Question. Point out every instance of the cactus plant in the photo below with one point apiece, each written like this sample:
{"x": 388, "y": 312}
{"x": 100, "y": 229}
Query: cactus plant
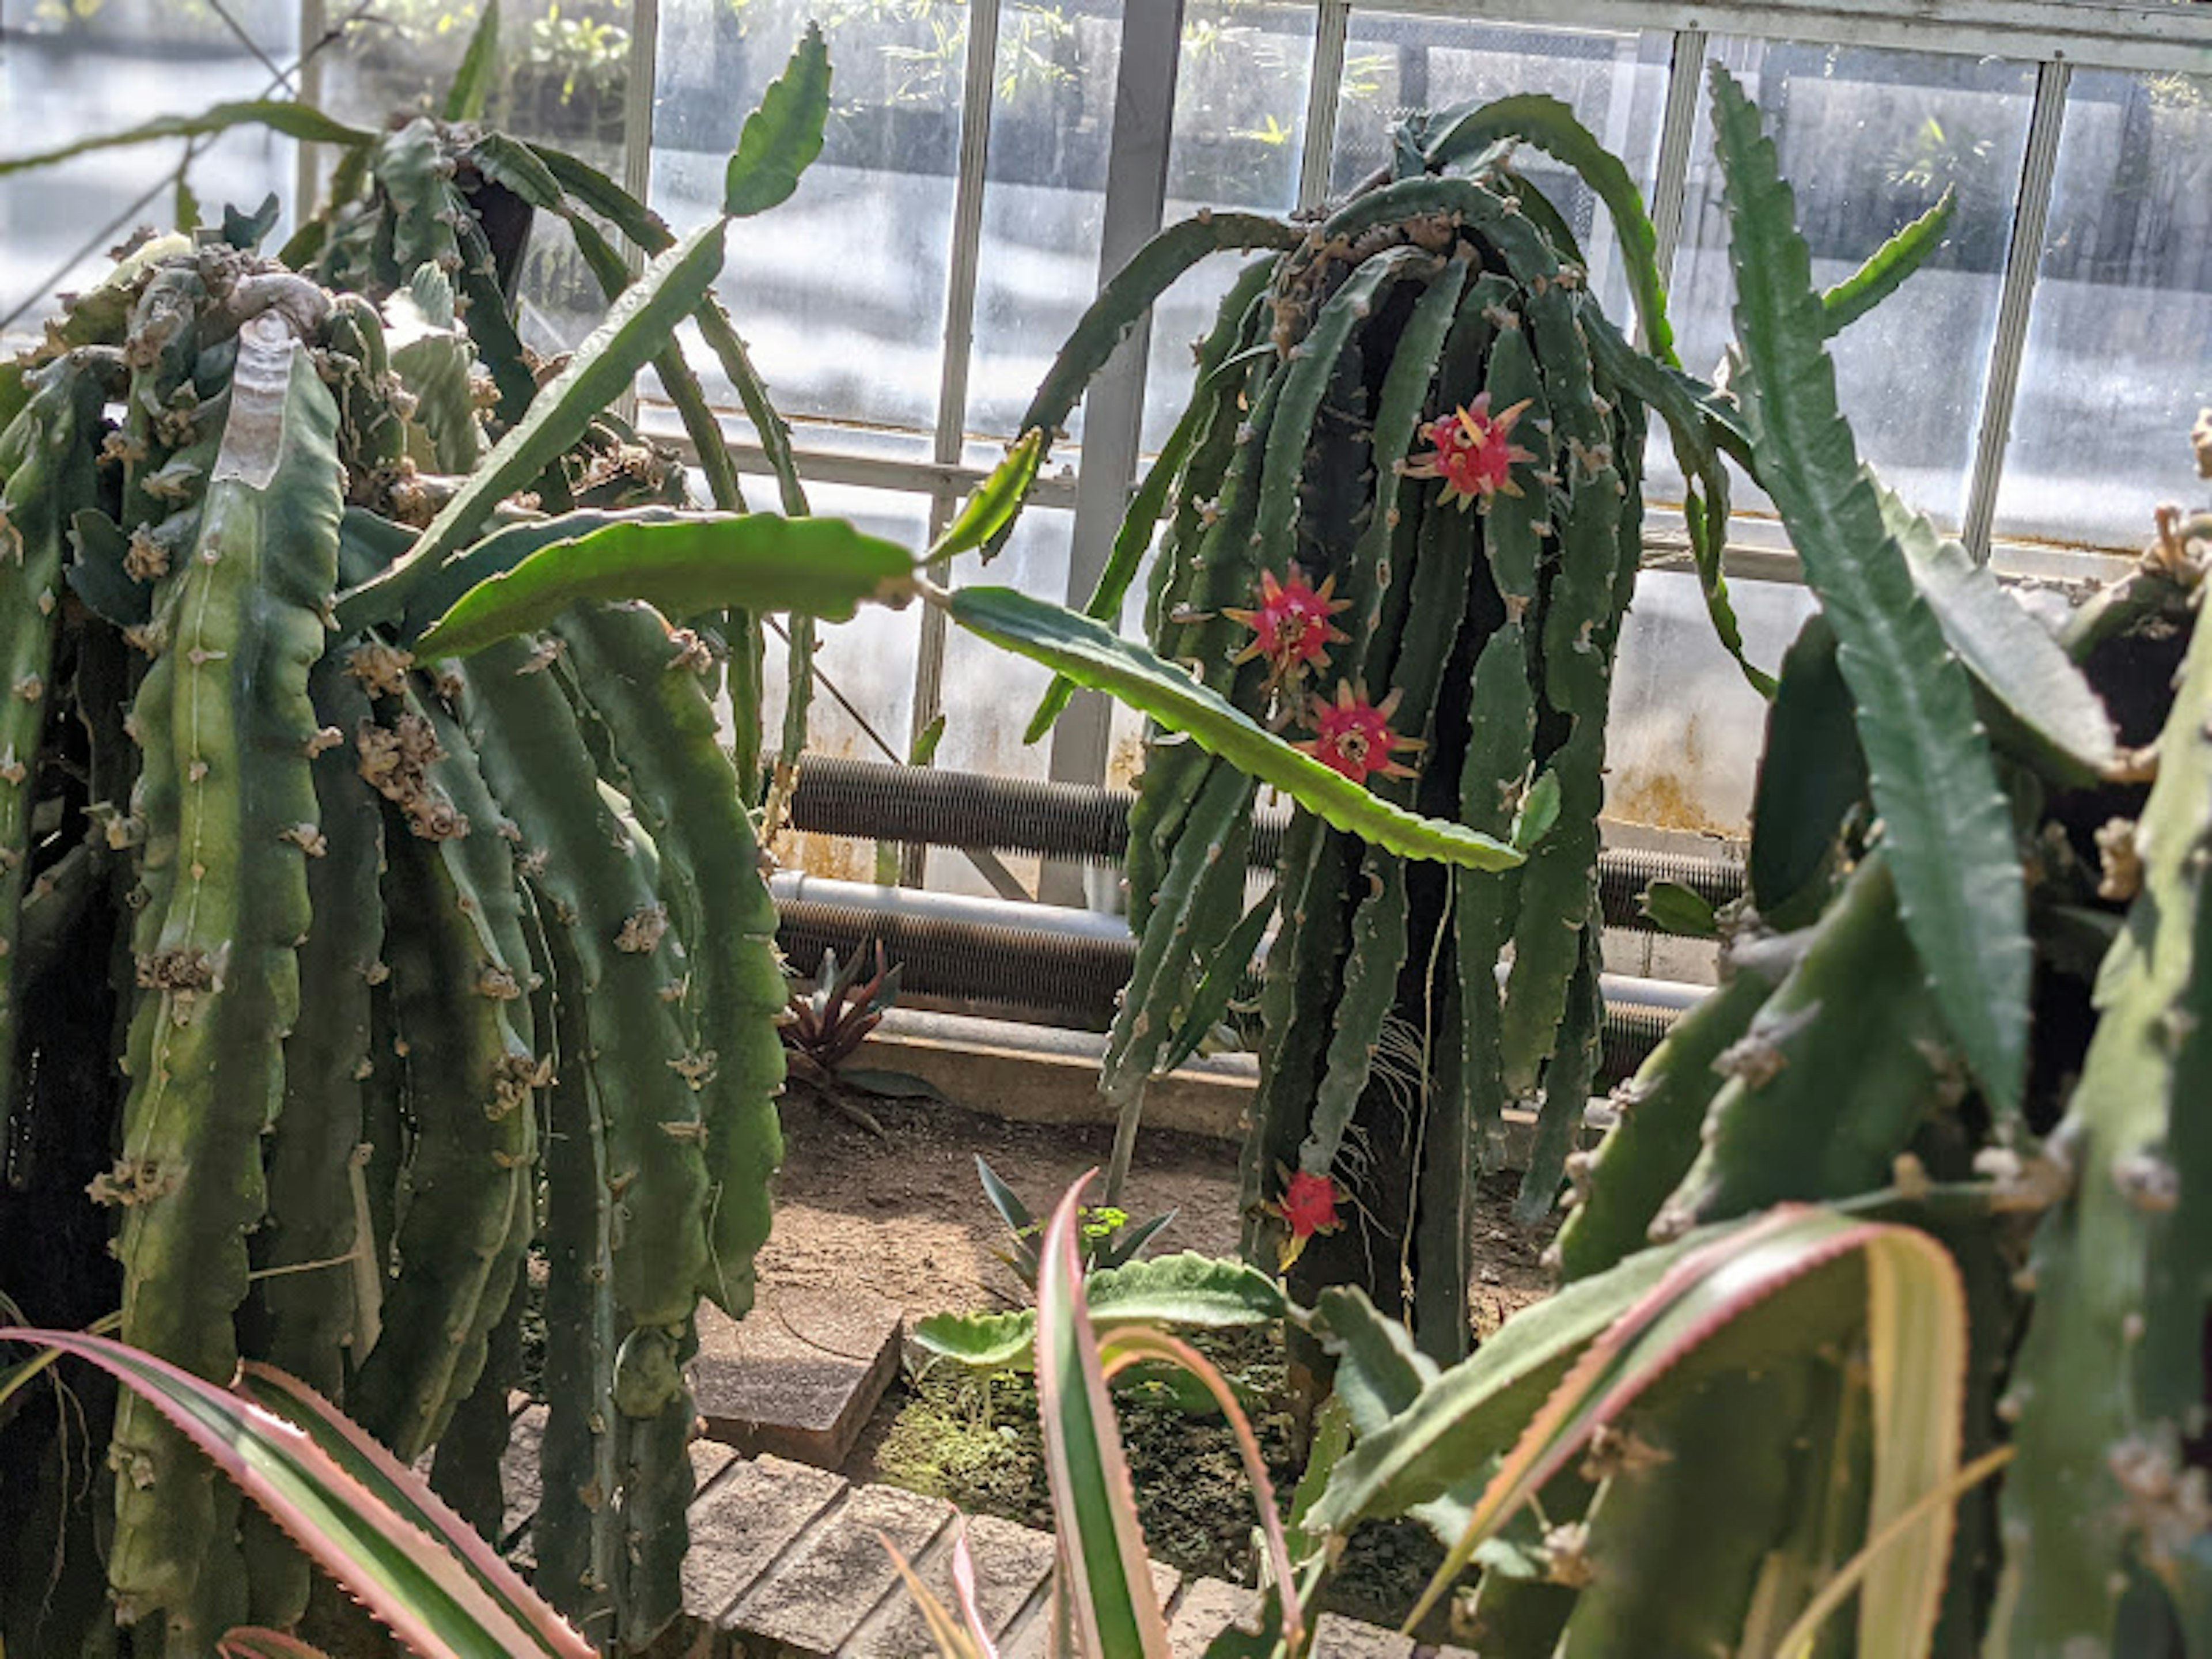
{"x": 365, "y": 922}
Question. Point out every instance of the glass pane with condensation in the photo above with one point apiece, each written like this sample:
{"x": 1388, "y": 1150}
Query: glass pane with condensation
{"x": 840, "y": 291}
{"x": 863, "y": 703}
{"x": 1044, "y": 201}
{"x": 1240, "y": 118}
{"x": 1869, "y": 140}
{"x": 989, "y": 695}
{"x": 1397, "y": 66}
{"x": 1685, "y": 728}
{"x": 2119, "y": 339}
{"x": 69, "y": 72}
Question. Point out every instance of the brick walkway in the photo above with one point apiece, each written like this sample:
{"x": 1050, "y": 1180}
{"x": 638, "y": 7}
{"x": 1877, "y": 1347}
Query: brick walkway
{"x": 790, "y": 1560}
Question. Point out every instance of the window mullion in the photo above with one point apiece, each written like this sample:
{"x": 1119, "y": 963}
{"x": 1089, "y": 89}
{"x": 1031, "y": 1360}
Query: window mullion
{"x": 1114, "y": 410}
{"x": 1319, "y": 151}
{"x": 2023, "y": 262}
{"x": 306, "y": 178}
{"x": 979, "y": 75}
{"x": 1677, "y": 131}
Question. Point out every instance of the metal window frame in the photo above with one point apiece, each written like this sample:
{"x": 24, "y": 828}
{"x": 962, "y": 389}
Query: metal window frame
{"x": 2058, "y": 36}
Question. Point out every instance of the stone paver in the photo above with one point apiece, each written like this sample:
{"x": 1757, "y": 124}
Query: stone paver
{"x": 744, "y": 1522}
{"x": 798, "y": 1377}
{"x": 1032, "y": 1637}
{"x": 1011, "y": 1566}
{"x": 1207, "y": 1607}
{"x": 1336, "y": 1637}
{"x": 518, "y": 1475}
{"x": 815, "y": 1595}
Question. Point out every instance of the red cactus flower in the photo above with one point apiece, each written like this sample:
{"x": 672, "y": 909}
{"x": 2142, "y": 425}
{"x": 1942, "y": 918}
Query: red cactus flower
{"x": 1353, "y": 736}
{"x": 1472, "y": 452}
{"x": 1292, "y": 628}
{"x": 1307, "y": 1207}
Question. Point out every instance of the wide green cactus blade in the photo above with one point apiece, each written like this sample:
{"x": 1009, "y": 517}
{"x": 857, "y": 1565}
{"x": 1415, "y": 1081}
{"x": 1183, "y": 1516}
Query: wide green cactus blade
{"x": 1550, "y": 126}
{"x": 1888, "y": 265}
{"x": 1811, "y": 774}
{"x": 1945, "y": 819}
{"x": 634, "y": 331}
{"x": 683, "y": 565}
{"x": 1087, "y": 654}
{"x": 784, "y": 134}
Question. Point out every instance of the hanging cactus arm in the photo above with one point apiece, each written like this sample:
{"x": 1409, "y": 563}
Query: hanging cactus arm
{"x": 1946, "y": 821}
{"x": 479, "y": 71}
{"x": 1550, "y": 126}
{"x": 990, "y": 511}
{"x": 634, "y": 331}
{"x": 292, "y": 120}
{"x": 1084, "y": 651}
{"x": 782, "y": 137}
{"x": 684, "y": 565}
{"x": 230, "y": 807}
{"x": 1886, "y": 268}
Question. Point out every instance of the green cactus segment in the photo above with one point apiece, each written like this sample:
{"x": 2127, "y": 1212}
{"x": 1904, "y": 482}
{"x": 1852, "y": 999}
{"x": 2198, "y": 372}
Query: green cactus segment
{"x": 1554, "y": 907}
{"x": 1369, "y": 989}
{"x": 460, "y": 972}
{"x": 1223, "y": 975}
{"x": 1654, "y": 1137}
{"x": 312, "y": 1317}
{"x": 1833, "y": 1076}
{"x": 1089, "y": 656}
{"x": 1567, "y": 1081}
{"x": 635, "y": 331}
{"x": 464, "y": 1470}
{"x": 655, "y": 1421}
{"x": 782, "y": 137}
{"x": 1661, "y": 1577}
{"x": 1550, "y": 126}
{"x": 226, "y": 732}
{"x": 1959, "y": 878}
{"x": 433, "y": 356}
{"x": 1886, "y": 268}
{"x": 1811, "y": 775}
{"x": 2111, "y": 1379}
{"x": 585, "y": 868}
{"x": 684, "y": 565}
{"x": 2043, "y": 703}
{"x": 575, "y": 1535}
{"x": 293, "y": 120}
{"x": 689, "y": 800}
{"x": 1126, "y": 299}
{"x": 46, "y": 475}
{"x": 1220, "y": 374}
{"x": 1491, "y": 780}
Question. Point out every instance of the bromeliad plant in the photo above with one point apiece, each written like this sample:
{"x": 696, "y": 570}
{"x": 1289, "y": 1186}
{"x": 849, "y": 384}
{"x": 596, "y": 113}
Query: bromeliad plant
{"x": 825, "y": 1026}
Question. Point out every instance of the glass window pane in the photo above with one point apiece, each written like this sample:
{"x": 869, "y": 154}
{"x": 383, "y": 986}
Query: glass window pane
{"x": 1869, "y": 140}
{"x": 1239, "y": 130}
{"x": 2119, "y": 340}
{"x": 1682, "y": 745}
{"x": 840, "y": 291}
{"x": 1616, "y": 83}
{"x": 1044, "y": 202}
{"x": 70, "y": 72}
{"x": 864, "y": 671}
{"x": 564, "y": 68}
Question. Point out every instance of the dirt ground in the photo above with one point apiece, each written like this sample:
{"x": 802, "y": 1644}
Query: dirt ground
{"x": 905, "y": 1219}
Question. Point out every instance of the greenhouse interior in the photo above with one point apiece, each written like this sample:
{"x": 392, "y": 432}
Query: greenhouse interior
{"x": 1142, "y": 829}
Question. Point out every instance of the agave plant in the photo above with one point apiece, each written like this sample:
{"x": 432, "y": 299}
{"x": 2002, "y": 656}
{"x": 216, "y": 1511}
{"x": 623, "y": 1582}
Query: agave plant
{"x": 1109, "y": 1239}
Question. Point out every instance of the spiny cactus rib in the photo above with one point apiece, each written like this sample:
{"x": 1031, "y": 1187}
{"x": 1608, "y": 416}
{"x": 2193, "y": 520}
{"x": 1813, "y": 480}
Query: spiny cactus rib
{"x": 1655, "y": 1136}
{"x": 1370, "y": 987}
{"x": 1834, "y": 1075}
{"x": 465, "y": 1469}
{"x": 587, "y": 870}
{"x": 432, "y": 357}
{"x": 655, "y": 1425}
{"x": 689, "y": 800}
{"x": 46, "y": 475}
{"x": 1492, "y": 779}
{"x": 311, "y": 1317}
{"x": 2111, "y": 1379}
{"x": 1567, "y": 1078}
{"x": 633, "y": 333}
{"x": 576, "y": 1536}
{"x": 460, "y": 972}
{"x": 226, "y": 735}
{"x": 1959, "y": 878}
